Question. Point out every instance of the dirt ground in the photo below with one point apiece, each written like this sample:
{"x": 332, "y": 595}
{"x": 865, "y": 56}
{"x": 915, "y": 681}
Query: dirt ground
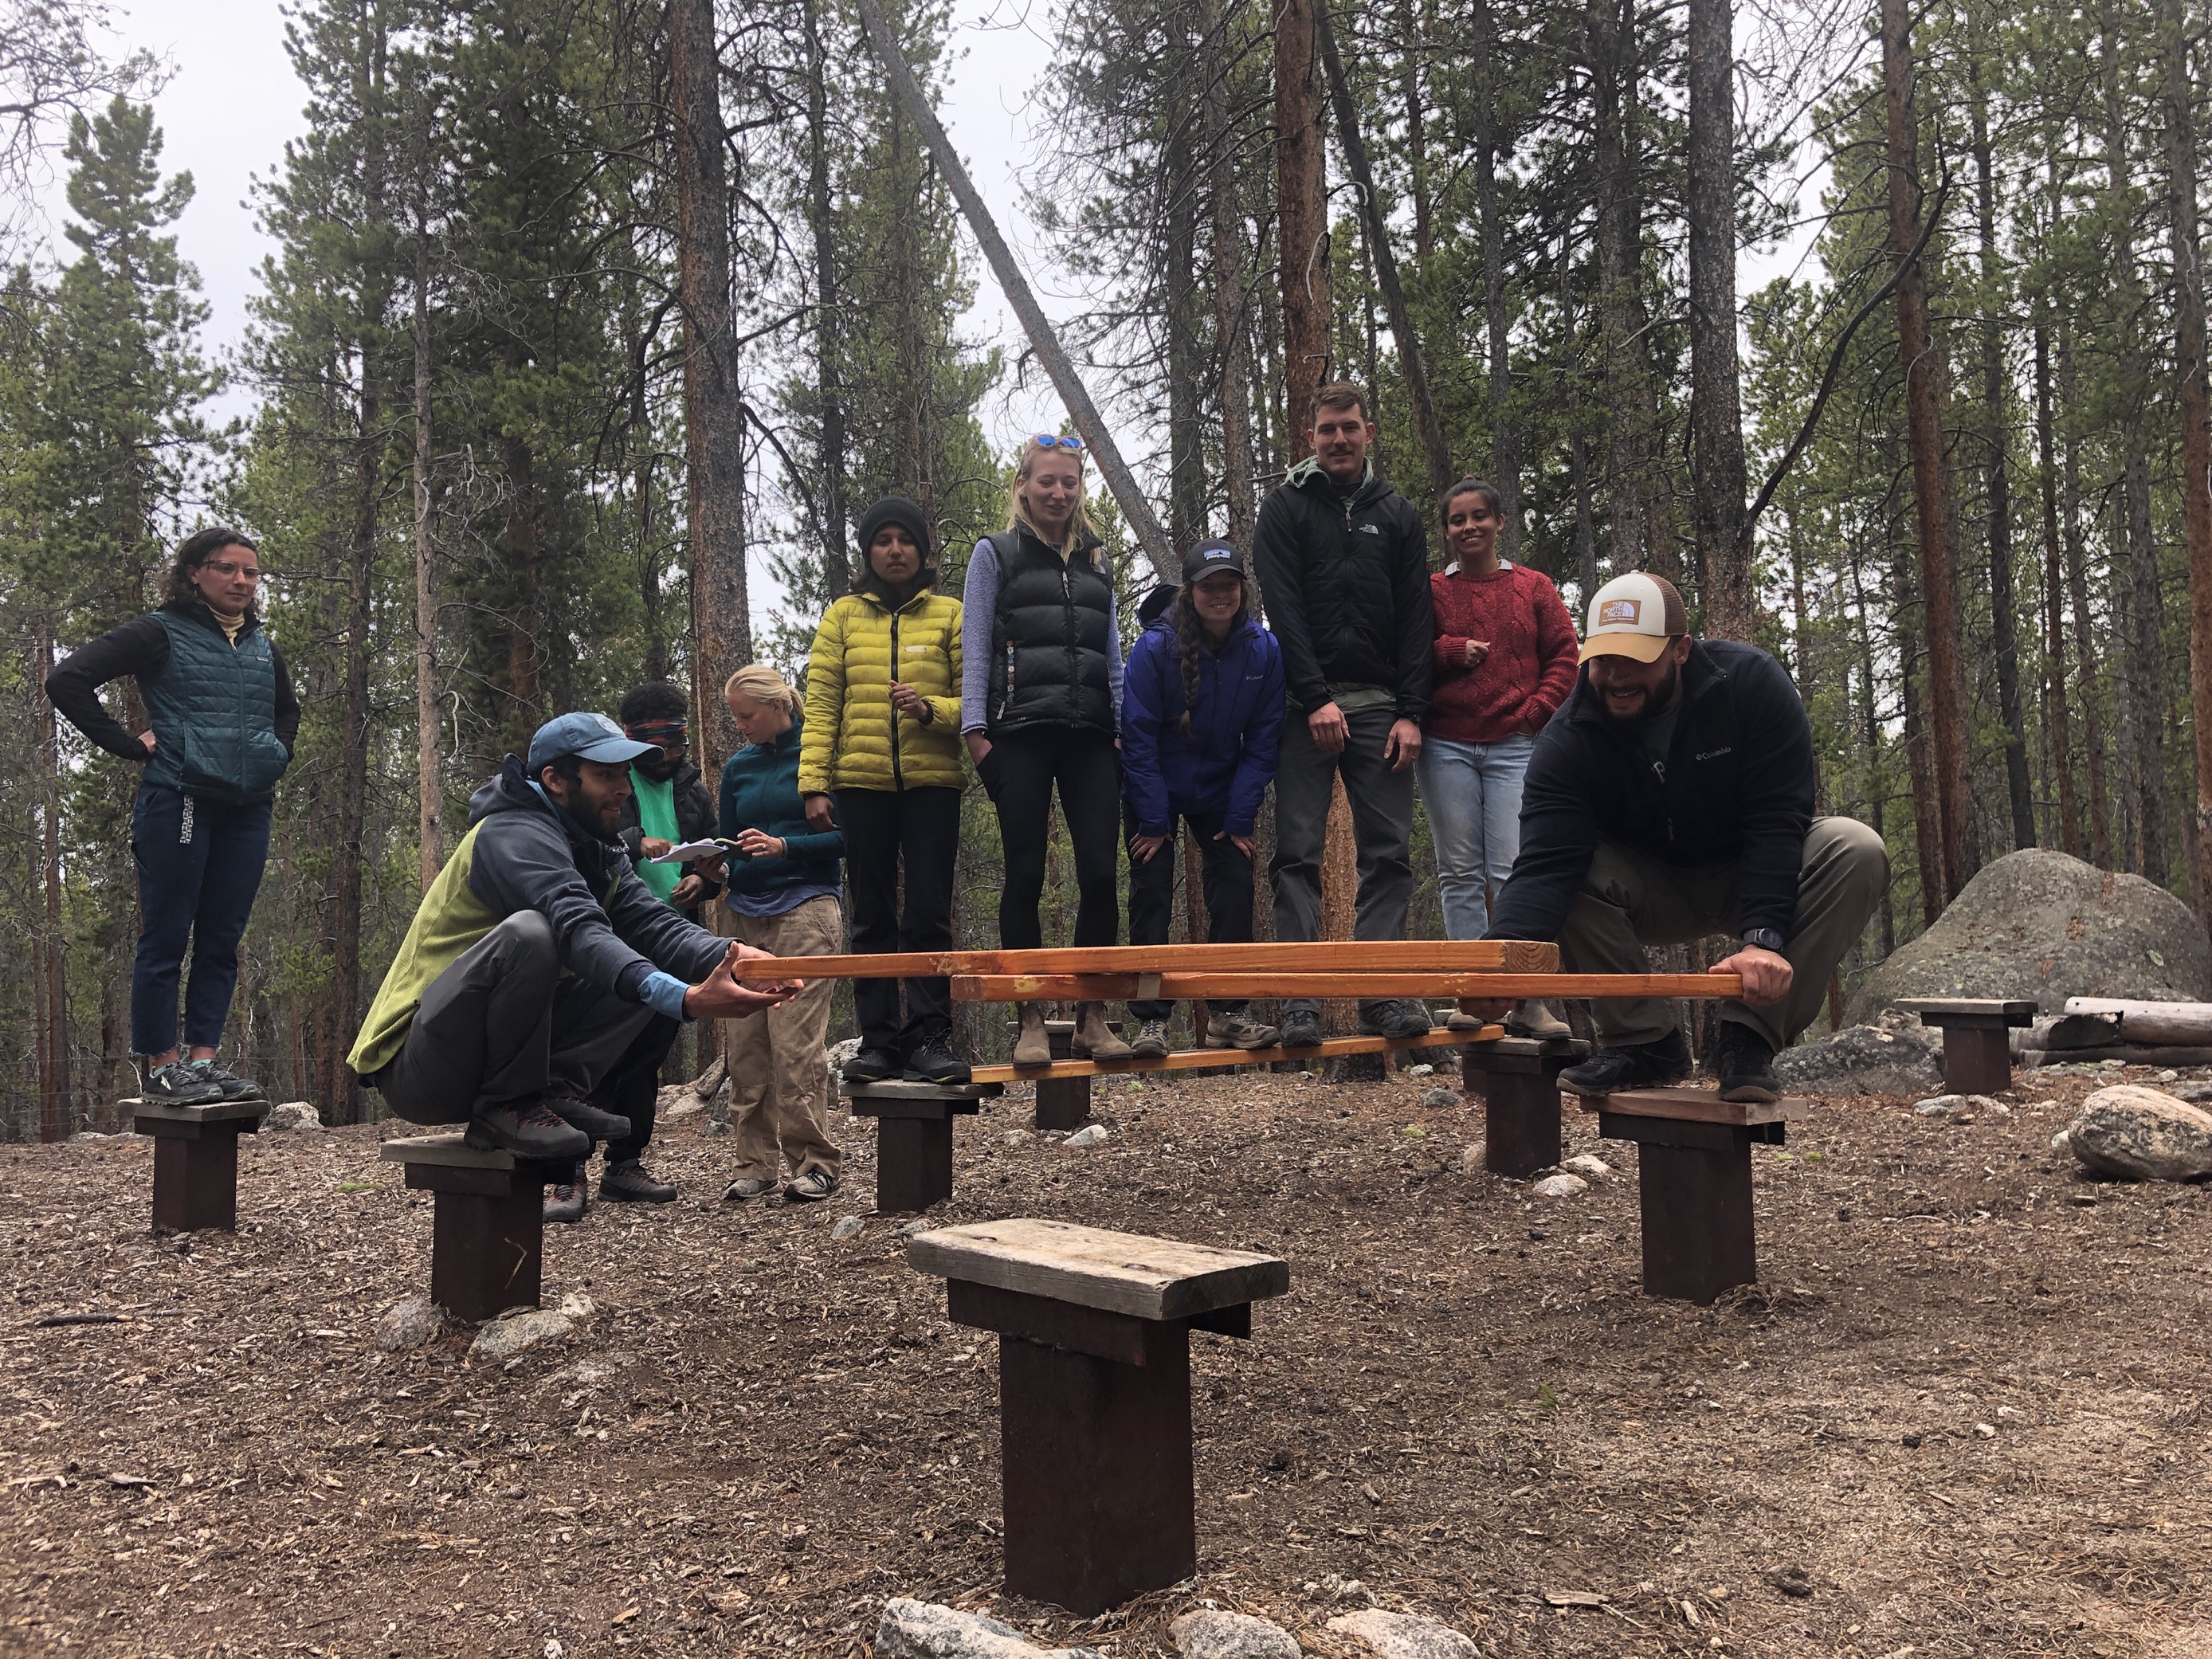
{"x": 1967, "y": 1402}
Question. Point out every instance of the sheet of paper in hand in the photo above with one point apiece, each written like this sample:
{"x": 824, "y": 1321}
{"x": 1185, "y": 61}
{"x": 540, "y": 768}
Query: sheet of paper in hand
{"x": 690, "y": 850}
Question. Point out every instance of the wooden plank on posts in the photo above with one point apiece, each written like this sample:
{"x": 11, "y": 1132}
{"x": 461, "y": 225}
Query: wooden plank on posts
{"x": 1477, "y": 986}
{"x": 1458, "y": 956}
{"x": 1121, "y": 1273}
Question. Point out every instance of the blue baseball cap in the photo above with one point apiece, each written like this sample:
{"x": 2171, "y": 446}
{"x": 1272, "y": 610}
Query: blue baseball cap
{"x": 594, "y": 736}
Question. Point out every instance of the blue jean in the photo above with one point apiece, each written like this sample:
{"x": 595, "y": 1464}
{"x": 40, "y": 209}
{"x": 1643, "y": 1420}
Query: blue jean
{"x": 199, "y": 866}
{"x": 1472, "y": 791}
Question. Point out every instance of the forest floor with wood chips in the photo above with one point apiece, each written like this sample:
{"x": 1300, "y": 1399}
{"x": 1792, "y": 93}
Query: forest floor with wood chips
{"x": 1964, "y": 1413}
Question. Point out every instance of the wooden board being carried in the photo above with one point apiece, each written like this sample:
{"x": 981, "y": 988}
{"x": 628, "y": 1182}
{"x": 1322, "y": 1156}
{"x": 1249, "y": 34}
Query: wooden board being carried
{"x": 1433, "y": 956}
{"x": 1472, "y": 986}
{"x": 1198, "y": 1059}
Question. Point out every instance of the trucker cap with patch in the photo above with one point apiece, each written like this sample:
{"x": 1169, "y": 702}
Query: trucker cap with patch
{"x": 1633, "y": 616}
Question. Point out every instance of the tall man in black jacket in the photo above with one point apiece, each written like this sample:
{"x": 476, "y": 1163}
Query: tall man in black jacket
{"x": 1670, "y": 799}
{"x": 1343, "y": 561}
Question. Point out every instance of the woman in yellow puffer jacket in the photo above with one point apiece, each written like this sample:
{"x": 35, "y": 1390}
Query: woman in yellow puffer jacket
{"x": 880, "y": 758}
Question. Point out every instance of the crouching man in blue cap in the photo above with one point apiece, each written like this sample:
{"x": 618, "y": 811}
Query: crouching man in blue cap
{"x": 540, "y": 976}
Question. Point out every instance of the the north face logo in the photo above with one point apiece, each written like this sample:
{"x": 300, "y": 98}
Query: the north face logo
{"x": 1624, "y": 612}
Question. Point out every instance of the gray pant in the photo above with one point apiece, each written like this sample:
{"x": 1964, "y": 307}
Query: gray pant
{"x": 1630, "y": 900}
{"x": 1382, "y": 826}
{"x": 502, "y": 1025}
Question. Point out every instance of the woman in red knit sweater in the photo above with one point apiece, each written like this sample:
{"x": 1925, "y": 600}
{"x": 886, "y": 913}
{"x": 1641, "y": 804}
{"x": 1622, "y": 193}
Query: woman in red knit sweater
{"x": 1505, "y": 656}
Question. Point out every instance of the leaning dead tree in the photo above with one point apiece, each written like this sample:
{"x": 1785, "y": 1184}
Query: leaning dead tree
{"x": 1143, "y": 523}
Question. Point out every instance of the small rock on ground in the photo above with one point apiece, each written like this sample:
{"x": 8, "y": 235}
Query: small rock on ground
{"x": 2140, "y": 1134}
{"x": 1439, "y": 1098}
{"x": 1089, "y": 1135}
{"x": 1423, "y": 1070}
{"x": 293, "y": 1114}
{"x": 2197, "y": 1094}
{"x": 923, "y": 1630}
{"x": 409, "y": 1324}
{"x": 517, "y": 1332}
{"x": 1471, "y": 1157}
{"x": 1589, "y": 1164}
{"x": 1403, "y": 1635}
{"x": 1209, "y": 1633}
{"x": 1560, "y": 1186}
{"x": 845, "y": 1228}
{"x": 1957, "y": 1106}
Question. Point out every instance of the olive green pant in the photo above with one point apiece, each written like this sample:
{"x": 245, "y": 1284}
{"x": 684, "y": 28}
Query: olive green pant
{"x": 1630, "y": 900}
{"x": 779, "y": 1066}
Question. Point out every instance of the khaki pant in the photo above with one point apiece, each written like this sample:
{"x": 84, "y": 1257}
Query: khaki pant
{"x": 779, "y": 1066}
{"x": 1630, "y": 900}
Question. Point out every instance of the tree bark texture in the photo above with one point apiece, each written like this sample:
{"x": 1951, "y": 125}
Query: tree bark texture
{"x": 1954, "y": 860}
{"x": 49, "y": 982}
{"x": 2057, "y": 722}
{"x": 430, "y": 782}
{"x": 1505, "y": 446}
{"x": 2093, "y": 745}
{"x": 829, "y": 351}
{"x": 1231, "y": 327}
{"x": 1302, "y": 215}
{"x": 1716, "y": 462}
{"x": 1186, "y": 374}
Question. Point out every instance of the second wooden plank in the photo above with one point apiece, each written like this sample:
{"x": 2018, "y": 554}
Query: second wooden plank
{"x": 1113, "y": 988}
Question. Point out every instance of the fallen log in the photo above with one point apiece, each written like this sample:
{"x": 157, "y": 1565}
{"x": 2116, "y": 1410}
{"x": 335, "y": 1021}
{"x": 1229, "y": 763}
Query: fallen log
{"x": 2158, "y": 1023}
{"x": 2071, "y": 1031}
{"x": 2131, "y": 1054}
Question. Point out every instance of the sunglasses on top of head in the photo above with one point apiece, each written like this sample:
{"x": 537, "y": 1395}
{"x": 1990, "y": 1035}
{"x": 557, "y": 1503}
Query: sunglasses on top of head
{"x": 1053, "y": 441}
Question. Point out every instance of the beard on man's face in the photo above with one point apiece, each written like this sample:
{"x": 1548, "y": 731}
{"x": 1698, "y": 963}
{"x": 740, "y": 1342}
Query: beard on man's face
{"x": 1656, "y": 701}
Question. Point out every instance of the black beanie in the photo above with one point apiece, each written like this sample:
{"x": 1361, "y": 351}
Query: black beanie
{"x": 898, "y": 510}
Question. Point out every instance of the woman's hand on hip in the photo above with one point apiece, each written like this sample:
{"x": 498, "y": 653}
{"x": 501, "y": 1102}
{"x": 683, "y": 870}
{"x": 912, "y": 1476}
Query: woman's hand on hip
{"x": 147, "y": 738}
{"x": 978, "y": 747}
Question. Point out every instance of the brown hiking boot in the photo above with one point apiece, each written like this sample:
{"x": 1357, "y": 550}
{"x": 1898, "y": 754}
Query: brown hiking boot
{"x": 1092, "y": 1039}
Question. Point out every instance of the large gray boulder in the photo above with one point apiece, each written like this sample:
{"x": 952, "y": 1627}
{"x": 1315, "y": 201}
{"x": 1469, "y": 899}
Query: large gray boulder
{"x": 2040, "y": 924}
{"x": 2140, "y": 1134}
{"x": 1894, "y": 1055}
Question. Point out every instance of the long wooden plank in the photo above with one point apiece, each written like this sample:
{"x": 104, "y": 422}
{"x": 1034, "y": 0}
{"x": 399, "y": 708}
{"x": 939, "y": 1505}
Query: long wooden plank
{"x": 1200, "y": 1060}
{"x": 1122, "y": 1273}
{"x": 1500, "y": 987}
{"x": 1350, "y": 955}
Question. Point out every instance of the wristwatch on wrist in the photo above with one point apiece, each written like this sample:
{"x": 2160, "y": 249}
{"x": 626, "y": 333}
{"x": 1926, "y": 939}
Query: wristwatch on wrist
{"x": 1764, "y": 939}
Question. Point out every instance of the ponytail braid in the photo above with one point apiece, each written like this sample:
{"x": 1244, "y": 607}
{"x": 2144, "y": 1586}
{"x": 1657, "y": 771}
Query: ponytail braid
{"x": 1191, "y": 638}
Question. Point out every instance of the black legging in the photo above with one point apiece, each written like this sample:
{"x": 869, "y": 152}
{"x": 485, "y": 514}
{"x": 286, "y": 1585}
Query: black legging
{"x": 1019, "y": 773}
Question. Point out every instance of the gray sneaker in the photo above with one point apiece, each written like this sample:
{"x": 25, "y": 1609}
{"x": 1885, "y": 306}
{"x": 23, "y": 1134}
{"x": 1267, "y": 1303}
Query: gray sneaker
{"x": 811, "y": 1187}
{"x": 1152, "y": 1039}
{"x": 568, "y": 1200}
{"x": 233, "y": 1087}
{"x": 1239, "y": 1031}
{"x": 746, "y": 1187}
{"x": 180, "y": 1082}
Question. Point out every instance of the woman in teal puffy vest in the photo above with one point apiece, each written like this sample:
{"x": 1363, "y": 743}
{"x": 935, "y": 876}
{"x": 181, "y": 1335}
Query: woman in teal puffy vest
{"x": 224, "y": 719}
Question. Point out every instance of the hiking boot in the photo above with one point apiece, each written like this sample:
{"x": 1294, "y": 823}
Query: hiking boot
{"x": 1745, "y": 1065}
{"x": 932, "y": 1060}
{"x": 1031, "y": 1046}
{"x": 627, "y": 1183}
{"x": 1634, "y": 1066}
{"x": 582, "y": 1115}
{"x": 1460, "y": 1020}
{"x": 811, "y": 1187}
{"x": 871, "y": 1065}
{"x": 233, "y": 1086}
{"x": 568, "y": 1200}
{"x": 746, "y": 1187}
{"x": 1301, "y": 1027}
{"x": 1239, "y": 1031}
{"x": 1152, "y": 1039}
{"x": 180, "y": 1082}
{"x": 528, "y": 1131}
{"x": 1534, "y": 1018}
{"x": 1395, "y": 1019}
{"x": 1093, "y": 1041}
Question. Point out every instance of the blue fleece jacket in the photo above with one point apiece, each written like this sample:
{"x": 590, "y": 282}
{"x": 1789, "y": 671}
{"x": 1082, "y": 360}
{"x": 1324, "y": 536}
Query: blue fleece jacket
{"x": 1225, "y": 761}
{"x": 759, "y": 790}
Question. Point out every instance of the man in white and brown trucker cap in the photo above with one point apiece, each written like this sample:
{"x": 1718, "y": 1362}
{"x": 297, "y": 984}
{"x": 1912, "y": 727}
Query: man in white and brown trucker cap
{"x": 1670, "y": 799}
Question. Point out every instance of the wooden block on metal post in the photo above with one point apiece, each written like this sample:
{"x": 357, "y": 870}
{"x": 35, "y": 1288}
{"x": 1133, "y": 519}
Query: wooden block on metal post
{"x": 913, "y": 1136}
{"x": 1094, "y": 1385}
{"x": 196, "y": 1159}
{"x": 1977, "y": 1051}
{"x": 1693, "y": 1182}
{"x": 1518, "y": 1078}
{"x": 487, "y": 1223}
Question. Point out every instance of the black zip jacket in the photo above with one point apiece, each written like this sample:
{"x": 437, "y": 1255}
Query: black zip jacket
{"x": 697, "y": 819}
{"x": 1737, "y": 787}
{"x": 1346, "y": 588}
{"x": 140, "y": 648}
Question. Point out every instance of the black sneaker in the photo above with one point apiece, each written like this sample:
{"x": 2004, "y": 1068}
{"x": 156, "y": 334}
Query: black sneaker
{"x": 1745, "y": 1065}
{"x": 233, "y": 1086}
{"x": 1300, "y": 1028}
{"x": 529, "y": 1132}
{"x": 1403, "y": 1018}
{"x": 582, "y": 1115}
{"x": 627, "y": 1183}
{"x": 1637, "y": 1066}
{"x": 932, "y": 1060}
{"x": 567, "y": 1200}
{"x": 872, "y": 1066}
{"x": 180, "y": 1083}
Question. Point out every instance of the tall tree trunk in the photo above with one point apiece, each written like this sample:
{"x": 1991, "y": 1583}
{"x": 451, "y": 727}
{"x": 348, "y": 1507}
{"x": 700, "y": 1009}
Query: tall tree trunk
{"x": 1716, "y": 463}
{"x": 1384, "y": 263}
{"x": 1302, "y": 211}
{"x": 829, "y": 351}
{"x": 1998, "y": 489}
{"x": 2086, "y": 650}
{"x": 2196, "y": 421}
{"x": 1505, "y": 450}
{"x": 1577, "y": 451}
{"x": 1955, "y": 857}
{"x": 1231, "y": 329}
{"x": 2055, "y": 718}
{"x": 1186, "y": 372}
{"x": 340, "y": 1089}
{"x": 526, "y": 698}
{"x": 714, "y": 401}
{"x": 50, "y": 1011}
{"x": 1870, "y": 732}
{"x": 1920, "y": 767}
{"x": 429, "y": 783}
{"x": 1411, "y": 33}
{"x": 912, "y": 397}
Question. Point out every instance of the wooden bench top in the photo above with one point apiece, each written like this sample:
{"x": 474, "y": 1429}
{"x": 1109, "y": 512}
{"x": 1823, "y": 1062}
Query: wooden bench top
{"x": 908, "y": 1089}
{"x": 218, "y": 1111}
{"x": 1120, "y": 1272}
{"x": 1696, "y": 1106}
{"x": 450, "y": 1150}
{"x": 2013, "y": 1011}
{"x": 1514, "y": 1047}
